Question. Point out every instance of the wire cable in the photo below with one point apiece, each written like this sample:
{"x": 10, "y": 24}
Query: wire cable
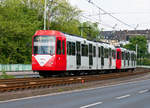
{"x": 109, "y": 14}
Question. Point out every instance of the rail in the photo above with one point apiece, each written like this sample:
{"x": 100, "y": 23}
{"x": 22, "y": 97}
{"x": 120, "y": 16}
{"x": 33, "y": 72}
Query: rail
{"x": 29, "y": 83}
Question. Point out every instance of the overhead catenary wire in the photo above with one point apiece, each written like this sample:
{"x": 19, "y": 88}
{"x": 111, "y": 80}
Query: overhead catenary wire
{"x": 109, "y": 14}
{"x": 89, "y": 18}
{"x": 97, "y": 21}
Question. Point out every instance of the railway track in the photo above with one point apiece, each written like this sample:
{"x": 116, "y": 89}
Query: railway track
{"x": 31, "y": 83}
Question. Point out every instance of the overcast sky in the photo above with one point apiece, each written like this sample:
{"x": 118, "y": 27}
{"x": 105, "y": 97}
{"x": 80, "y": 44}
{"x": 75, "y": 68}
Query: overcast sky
{"x": 132, "y": 12}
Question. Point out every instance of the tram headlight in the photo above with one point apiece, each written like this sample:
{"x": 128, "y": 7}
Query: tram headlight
{"x": 51, "y": 63}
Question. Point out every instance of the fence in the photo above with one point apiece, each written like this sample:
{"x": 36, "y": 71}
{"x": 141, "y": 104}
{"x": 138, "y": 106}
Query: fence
{"x": 15, "y": 67}
{"x": 142, "y": 66}
{"x": 26, "y": 67}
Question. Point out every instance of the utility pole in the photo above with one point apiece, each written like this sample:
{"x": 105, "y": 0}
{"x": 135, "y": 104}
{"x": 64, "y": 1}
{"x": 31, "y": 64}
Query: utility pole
{"x": 136, "y": 52}
{"x": 81, "y": 30}
{"x": 45, "y": 14}
{"x": 49, "y": 12}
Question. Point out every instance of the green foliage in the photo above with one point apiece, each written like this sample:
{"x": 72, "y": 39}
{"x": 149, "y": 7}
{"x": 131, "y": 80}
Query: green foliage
{"x": 5, "y": 76}
{"x": 143, "y": 58}
{"x": 64, "y": 17}
{"x": 141, "y": 43}
{"x": 90, "y": 30}
{"x": 143, "y": 61}
{"x": 18, "y": 24}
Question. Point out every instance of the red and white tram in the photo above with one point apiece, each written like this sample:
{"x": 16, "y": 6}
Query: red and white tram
{"x": 55, "y": 52}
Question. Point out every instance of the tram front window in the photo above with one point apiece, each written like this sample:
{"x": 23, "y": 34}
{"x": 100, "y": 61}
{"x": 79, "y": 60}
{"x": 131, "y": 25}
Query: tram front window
{"x": 44, "y": 45}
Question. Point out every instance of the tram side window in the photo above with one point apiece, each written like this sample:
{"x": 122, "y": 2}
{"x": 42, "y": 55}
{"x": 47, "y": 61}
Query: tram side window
{"x": 70, "y": 48}
{"x": 63, "y": 46}
{"x": 118, "y": 55}
{"x": 73, "y": 48}
{"x": 84, "y": 50}
{"x": 122, "y": 55}
{"x": 106, "y": 52}
{"x": 129, "y": 56}
{"x": 102, "y": 51}
{"x": 126, "y": 56}
{"x": 94, "y": 51}
{"x": 114, "y": 54}
{"x": 99, "y": 52}
{"x": 109, "y": 52}
{"x": 59, "y": 47}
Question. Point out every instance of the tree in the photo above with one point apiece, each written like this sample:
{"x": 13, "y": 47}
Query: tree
{"x": 18, "y": 24}
{"x": 63, "y": 17}
{"x": 90, "y": 30}
{"x": 142, "y": 45}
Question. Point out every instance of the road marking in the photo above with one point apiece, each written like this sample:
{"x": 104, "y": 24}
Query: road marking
{"x": 143, "y": 91}
{"x": 121, "y": 97}
{"x": 90, "y": 105}
{"x": 73, "y": 91}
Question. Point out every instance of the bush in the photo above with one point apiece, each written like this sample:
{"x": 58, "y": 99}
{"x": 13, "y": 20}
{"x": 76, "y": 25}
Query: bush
{"x": 144, "y": 61}
{"x": 5, "y": 76}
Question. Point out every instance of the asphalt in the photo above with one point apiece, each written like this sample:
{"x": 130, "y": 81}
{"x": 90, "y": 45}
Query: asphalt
{"x": 129, "y": 95}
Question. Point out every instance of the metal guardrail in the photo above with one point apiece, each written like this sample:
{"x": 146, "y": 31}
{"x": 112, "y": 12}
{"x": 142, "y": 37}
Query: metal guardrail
{"x": 15, "y": 67}
{"x": 142, "y": 66}
{"x": 28, "y": 67}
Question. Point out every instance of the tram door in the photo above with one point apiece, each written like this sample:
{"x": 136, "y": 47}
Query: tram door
{"x": 102, "y": 56}
{"x": 61, "y": 53}
{"x": 90, "y": 55}
{"x": 78, "y": 54}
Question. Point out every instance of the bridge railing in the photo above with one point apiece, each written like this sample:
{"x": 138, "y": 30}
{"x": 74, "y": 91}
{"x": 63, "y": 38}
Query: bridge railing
{"x": 142, "y": 66}
{"x": 15, "y": 67}
{"x": 28, "y": 67}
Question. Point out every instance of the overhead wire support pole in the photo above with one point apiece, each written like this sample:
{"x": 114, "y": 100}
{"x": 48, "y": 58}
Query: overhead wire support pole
{"x": 136, "y": 51}
{"x": 45, "y": 14}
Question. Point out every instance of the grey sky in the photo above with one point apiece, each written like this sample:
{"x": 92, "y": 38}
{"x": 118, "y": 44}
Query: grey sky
{"x": 132, "y": 12}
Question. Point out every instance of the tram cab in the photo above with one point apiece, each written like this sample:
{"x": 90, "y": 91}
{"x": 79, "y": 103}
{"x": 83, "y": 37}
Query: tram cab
{"x": 48, "y": 51}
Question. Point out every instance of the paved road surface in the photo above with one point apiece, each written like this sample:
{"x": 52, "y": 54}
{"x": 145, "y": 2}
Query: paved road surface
{"x": 131, "y": 95}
